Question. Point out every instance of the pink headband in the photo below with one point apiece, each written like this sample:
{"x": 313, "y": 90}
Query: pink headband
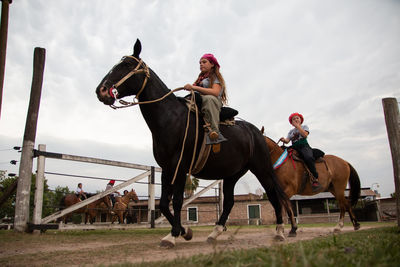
{"x": 211, "y": 58}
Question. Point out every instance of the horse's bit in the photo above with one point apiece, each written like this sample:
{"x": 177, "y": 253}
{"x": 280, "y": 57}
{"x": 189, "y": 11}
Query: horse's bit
{"x": 113, "y": 91}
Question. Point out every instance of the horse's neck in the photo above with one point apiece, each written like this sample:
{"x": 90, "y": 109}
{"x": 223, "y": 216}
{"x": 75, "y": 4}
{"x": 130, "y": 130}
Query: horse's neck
{"x": 275, "y": 150}
{"x": 125, "y": 199}
{"x": 161, "y": 114}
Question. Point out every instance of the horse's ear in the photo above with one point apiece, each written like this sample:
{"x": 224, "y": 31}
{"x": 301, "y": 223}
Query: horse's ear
{"x": 262, "y": 130}
{"x": 137, "y": 48}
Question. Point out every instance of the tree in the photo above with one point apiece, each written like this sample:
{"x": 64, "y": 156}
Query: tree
{"x": 51, "y": 199}
{"x": 191, "y": 186}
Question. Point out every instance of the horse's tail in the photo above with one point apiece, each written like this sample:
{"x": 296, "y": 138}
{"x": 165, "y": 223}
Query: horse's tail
{"x": 355, "y": 186}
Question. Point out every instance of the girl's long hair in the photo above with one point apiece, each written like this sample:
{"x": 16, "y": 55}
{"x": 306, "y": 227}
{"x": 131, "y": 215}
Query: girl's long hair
{"x": 215, "y": 73}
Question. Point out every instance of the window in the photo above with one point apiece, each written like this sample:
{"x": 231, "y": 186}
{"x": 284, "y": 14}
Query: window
{"x": 192, "y": 214}
{"x": 254, "y": 211}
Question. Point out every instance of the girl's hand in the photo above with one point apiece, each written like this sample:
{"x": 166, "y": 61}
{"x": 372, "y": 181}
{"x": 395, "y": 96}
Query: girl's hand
{"x": 296, "y": 124}
{"x": 188, "y": 87}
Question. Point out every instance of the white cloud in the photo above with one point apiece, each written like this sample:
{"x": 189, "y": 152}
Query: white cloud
{"x": 333, "y": 61}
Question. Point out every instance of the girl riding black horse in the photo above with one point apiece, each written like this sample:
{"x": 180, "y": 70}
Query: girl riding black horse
{"x": 245, "y": 149}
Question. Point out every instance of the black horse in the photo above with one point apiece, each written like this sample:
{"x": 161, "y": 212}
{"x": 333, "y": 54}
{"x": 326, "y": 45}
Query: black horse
{"x": 245, "y": 149}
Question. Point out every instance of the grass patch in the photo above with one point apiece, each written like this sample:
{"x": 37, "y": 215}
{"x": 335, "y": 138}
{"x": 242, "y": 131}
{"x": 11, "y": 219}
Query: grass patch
{"x": 373, "y": 247}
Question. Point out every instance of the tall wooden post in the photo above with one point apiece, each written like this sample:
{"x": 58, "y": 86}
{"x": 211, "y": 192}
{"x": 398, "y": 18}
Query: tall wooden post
{"x": 392, "y": 119}
{"x": 151, "y": 215}
{"x": 25, "y": 168}
{"x": 37, "y": 210}
{"x": 3, "y": 44}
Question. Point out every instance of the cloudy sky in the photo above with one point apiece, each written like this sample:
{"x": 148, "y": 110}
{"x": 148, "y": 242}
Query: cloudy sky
{"x": 332, "y": 61}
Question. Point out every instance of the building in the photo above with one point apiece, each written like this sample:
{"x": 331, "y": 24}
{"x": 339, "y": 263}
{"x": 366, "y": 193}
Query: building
{"x": 255, "y": 209}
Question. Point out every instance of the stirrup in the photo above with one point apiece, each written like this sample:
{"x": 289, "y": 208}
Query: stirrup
{"x": 219, "y": 139}
{"x": 315, "y": 186}
{"x": 213, "y": 135}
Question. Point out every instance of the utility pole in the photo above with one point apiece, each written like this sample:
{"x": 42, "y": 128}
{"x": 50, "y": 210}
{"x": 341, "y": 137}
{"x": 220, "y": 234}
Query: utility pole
{"x": 392, "y": 119}
{"x": 25, "y": 168}
{"x": 3, "y": 44}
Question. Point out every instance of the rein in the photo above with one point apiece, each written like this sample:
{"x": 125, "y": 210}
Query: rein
{"x": 114, "y": 93}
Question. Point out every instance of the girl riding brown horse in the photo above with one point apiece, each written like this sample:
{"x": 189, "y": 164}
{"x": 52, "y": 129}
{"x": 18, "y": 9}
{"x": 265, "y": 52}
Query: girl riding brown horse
{"x": 334, "y": 174}
{"x": 89, "y": 210}
{"x": 121, "y": 205}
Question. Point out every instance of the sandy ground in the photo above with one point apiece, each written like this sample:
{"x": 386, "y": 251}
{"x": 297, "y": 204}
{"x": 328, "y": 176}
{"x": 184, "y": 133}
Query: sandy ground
{"x": 145, "y": 249}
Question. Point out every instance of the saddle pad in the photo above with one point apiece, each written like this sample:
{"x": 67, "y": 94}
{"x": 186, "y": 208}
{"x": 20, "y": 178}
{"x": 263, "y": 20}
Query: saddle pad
{"x": 225, "y": 114}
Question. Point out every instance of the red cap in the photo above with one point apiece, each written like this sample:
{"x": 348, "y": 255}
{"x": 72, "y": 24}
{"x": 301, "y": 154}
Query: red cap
{"x": 211, "y": 58}
{"x": 295, "y": 114}
{"x": 112, "y": 182}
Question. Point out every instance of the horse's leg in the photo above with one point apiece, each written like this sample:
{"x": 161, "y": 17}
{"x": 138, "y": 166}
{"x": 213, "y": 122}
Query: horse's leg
{"x": 272, "y": 197}
{"x": 262, "y": 175}
{"x": 228, "y": 190}
{"x": 166, "y": 194}
{"x": 342, "y": 206}
{"x": 353, "y": 219}
{"x": 293, "y": 222}
{"x": 120, "y": 217}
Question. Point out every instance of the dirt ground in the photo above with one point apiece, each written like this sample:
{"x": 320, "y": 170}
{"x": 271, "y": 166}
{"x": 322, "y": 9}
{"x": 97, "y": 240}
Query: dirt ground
{"x": 46, "y": 250}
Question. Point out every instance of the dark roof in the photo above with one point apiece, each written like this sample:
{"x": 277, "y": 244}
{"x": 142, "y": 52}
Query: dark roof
{"x": 364, "y": 193}
{"x": 253, "y": 197}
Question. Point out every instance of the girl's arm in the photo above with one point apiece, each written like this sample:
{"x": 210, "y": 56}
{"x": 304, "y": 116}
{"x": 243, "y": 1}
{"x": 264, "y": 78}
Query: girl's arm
{"x": 284, "y": 140}
{"x": 301, "y": 130}
{"x": 214, "y": 90}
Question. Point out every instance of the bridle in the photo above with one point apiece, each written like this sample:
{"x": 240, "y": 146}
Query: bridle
{"x": 140, "y": 68}
{"x": 114, "y": 94}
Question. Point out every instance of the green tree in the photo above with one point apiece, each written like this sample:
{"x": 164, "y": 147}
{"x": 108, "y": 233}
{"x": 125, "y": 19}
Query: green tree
{"x": 51, "y": 199}
{"x": 191, "y": 186}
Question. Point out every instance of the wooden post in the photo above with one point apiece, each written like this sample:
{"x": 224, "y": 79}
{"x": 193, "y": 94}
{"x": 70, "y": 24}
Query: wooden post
{"x": 25, "y": 168}
{"x": 3, "y": 44}
{"x": 151, "y": 213}
{"x": 37, "y": 210}
{"x": 392, "y": 119}
{"x": 327, "y": 209}
{"x": 221, "y": 198}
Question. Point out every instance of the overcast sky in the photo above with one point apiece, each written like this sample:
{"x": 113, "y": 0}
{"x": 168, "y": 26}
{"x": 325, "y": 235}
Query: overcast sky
{"x": 332, "y": 61}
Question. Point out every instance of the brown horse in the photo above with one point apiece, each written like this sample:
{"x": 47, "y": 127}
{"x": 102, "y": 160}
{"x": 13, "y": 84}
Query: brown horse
{"x": 334, "y": 174}
{"x": 89, "y": 210}
{"x": 121, "y": 205}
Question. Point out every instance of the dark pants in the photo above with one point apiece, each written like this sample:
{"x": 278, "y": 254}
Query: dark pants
{"x": 306, "y": 154}
{"x": 112, "y": 199}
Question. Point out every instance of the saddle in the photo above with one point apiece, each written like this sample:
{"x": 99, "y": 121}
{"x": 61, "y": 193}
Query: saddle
{"x": 317, "y": 153}
{"x": 308, "y": 177}
{"x": 225, "y": 116}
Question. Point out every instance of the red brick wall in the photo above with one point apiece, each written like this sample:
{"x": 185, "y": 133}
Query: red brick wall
{"x": 207, "y": 213}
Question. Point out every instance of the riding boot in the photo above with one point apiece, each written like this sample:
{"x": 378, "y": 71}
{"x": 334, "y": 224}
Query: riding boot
{"x": 315, "y": 185}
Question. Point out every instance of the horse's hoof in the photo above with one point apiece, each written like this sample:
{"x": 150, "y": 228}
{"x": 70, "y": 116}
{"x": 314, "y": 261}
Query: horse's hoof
{"x": 166, "y": 244}
{"x": 292, "y": 234}
{"x": 357, "y": 226}
{"x": 188, "y": 235}
{"x": 279, "y": 238}
{"x": 168, "y": 241}
{"x": 218, "y": 229}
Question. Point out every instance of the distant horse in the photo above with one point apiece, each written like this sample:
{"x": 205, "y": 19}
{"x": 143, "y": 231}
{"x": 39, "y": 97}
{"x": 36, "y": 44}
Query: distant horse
{"x": 89, "y": 210}
{"x": 245, "y": 149}
{"x": 121, "y": 205}
{"x": 333, "y": 176}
